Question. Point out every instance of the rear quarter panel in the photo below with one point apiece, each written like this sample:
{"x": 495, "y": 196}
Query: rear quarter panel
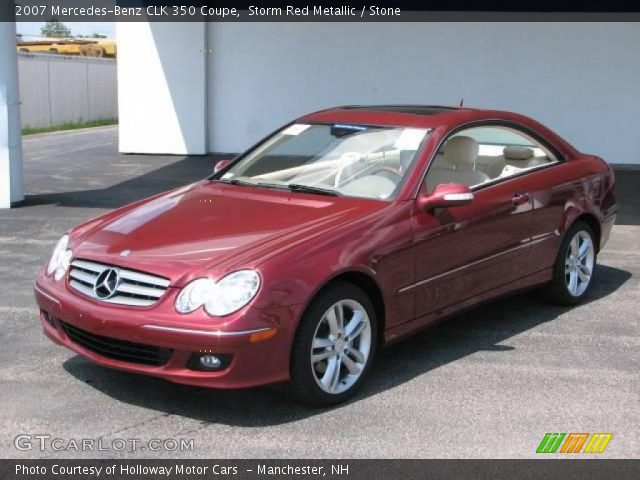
{"x": 561, "y": 194}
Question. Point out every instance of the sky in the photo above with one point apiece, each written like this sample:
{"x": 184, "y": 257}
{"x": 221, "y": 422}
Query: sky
{"x": 29, "y": 29}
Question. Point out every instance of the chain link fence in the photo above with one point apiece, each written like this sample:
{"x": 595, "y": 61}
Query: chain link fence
{"x": 56, "y": 90}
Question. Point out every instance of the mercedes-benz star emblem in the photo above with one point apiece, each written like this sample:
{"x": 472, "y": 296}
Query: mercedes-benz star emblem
{"x": 106, "y": 284}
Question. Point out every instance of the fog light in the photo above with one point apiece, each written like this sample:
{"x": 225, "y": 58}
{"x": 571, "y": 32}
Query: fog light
{"x": 210, "y": 362}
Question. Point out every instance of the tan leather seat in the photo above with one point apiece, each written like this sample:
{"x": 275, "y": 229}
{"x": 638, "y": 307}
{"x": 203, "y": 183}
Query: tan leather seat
{"x": 440, "y": 162}
{"x": 517, "y": 156}
{"x": 371, "y": 186}
{"x": 491, "y": 165}
{"x": 460, "y": 153}
{"x": 522, "y": 157}
{"x": 518, "y": 159}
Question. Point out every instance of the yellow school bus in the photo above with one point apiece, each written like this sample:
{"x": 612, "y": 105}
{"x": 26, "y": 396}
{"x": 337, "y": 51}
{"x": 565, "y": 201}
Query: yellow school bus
{"x": 73, "y": 46}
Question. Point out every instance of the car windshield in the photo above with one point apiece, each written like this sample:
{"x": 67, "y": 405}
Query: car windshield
{"x": 339, "y": 159}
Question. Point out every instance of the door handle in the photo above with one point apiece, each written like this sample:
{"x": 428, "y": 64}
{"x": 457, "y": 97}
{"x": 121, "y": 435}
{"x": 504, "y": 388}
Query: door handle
{"x": 520, "y": 198}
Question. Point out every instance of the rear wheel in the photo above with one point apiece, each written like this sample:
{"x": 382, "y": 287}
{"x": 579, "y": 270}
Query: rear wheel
{"x": 574, "y": 267}
{"x": 334, "y": 346}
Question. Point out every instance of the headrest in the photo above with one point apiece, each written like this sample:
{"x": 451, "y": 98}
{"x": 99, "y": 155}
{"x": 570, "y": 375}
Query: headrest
{"x": 517, "y": 153}
{"x": 461, "y": 151}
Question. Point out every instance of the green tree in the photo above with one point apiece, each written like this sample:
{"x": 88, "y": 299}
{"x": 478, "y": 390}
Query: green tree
{"x": 55, "y": 29}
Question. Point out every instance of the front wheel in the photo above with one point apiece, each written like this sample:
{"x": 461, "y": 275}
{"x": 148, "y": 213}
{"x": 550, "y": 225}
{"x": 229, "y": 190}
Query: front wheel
{"x": 334, "y": 346}
{"x": 574, "y": 267}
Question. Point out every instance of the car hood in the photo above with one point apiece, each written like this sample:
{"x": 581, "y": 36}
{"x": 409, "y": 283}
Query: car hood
{"x": 185, "y": 232}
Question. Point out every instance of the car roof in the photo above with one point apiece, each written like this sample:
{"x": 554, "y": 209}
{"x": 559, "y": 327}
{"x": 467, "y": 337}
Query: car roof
{"x": 405, "y": 115}
{"x": 404, "y": 108}
{"x": 429, "y": 116}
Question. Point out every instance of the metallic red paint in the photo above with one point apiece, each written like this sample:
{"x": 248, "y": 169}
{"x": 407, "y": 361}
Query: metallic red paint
{"x": 424, "y": 265}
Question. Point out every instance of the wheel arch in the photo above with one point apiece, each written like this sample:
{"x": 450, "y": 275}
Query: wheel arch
{"x": 366, "y": 281}
{"x": 591, "y": 220}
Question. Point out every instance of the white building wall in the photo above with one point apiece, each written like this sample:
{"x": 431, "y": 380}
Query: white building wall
{"x": 580, "y": 79}
{"x": 162, "y": 86}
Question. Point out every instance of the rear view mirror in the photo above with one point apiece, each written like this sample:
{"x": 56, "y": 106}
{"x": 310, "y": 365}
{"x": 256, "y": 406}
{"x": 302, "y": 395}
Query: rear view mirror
{"x": 220, "y": 165}
{"x": 446, "y": 195}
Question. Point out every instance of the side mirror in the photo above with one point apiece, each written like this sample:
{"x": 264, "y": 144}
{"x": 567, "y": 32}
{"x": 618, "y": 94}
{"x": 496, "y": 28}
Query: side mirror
{"x": 446, "y": 195}
{"x": 220, "y": 165}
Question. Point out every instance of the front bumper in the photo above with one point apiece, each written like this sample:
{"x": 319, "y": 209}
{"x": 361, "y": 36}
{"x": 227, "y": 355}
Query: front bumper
{"x": 252, "y": 362}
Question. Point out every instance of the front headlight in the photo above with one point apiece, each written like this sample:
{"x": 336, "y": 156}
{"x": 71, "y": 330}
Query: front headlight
{"x": 221, "y": 298}
{"x": 60, "y": 259}
{"x": 233, "y": 292}
{"x": 195, "y": 295}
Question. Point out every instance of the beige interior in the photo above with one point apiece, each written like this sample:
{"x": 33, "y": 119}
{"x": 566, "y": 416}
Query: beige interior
{"x": 460, "y": 161}
{"x": 460, "y": 154}
{"x": 373, "y": 175}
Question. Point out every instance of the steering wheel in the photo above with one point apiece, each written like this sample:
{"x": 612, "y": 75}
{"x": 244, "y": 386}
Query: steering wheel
{"x": 389, "y": 170}
{"x": 346, "y": 160}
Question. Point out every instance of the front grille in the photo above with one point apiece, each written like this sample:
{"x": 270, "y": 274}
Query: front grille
{"x": 117, "y": 349}
{"x": 126, "y": 288}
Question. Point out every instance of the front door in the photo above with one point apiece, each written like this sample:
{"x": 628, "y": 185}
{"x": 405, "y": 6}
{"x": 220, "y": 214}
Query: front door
{"x": 465, "y": 251}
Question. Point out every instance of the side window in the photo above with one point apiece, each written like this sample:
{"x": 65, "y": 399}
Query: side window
{"x": 479, "y": 155}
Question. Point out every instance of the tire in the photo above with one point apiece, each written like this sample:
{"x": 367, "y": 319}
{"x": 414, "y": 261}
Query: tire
{"x": 568, "y": 286}
{"x": 342, "y": 361}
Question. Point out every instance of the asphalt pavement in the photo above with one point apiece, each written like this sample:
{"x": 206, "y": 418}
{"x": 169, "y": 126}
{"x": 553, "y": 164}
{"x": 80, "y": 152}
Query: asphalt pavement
{"x": 486, "y": 384}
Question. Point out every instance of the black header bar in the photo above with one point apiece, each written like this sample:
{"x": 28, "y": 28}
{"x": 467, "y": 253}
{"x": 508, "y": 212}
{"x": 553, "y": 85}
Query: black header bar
{"x": 316, "y": 11}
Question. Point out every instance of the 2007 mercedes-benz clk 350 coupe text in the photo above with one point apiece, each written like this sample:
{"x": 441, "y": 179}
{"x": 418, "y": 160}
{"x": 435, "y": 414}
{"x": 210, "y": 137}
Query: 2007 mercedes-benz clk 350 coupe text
{"x": 343, "y": 231}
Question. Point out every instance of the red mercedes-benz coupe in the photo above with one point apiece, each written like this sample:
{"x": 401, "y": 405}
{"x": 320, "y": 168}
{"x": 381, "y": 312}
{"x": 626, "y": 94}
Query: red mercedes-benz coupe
{"x": 343, "y": 231}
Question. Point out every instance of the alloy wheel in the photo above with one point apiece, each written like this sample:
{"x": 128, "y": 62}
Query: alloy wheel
{"x": 579, "y": 263}
{"x": 341, "y": 346}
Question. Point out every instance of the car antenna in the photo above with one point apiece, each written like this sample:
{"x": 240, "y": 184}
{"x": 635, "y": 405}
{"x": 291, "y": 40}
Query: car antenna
{"x": 461, "y": 102}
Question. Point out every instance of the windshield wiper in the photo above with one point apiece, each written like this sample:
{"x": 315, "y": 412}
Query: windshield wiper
{"x": 294, "y": 187}
{"x": 236, "y": 181}
{"x": 297, "y": 187}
